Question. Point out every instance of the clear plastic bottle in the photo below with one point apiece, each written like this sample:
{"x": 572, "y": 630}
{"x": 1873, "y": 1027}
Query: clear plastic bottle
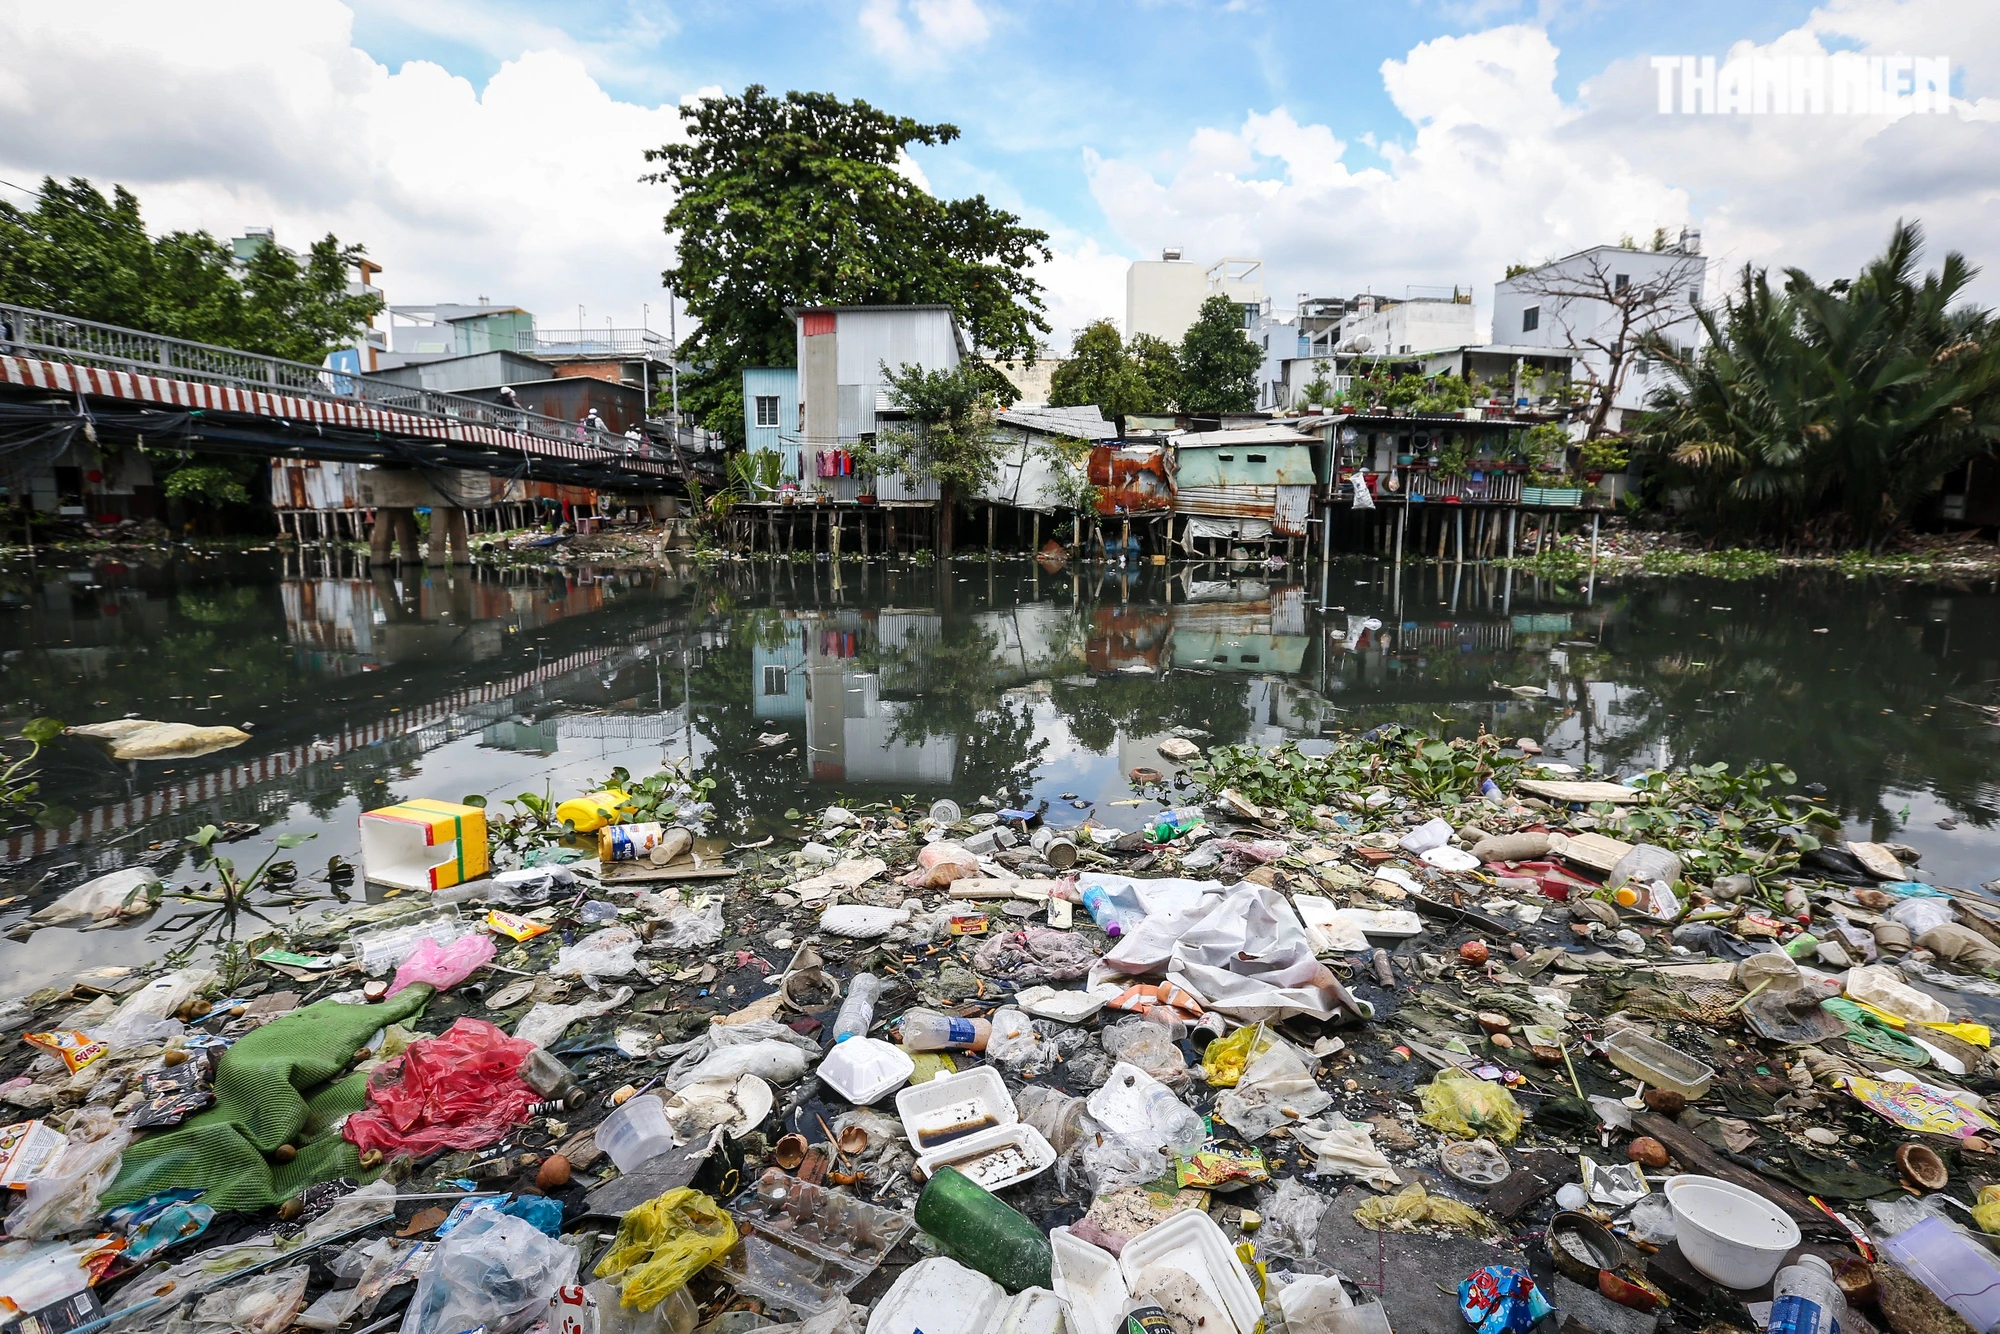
{"x": 1806, "y": 1300}
{"x": 857, "y": 1012}
{"x": 1170, "y": 825}
{"x": 927, "y": 1030}
{"x": 1102, "y": 910}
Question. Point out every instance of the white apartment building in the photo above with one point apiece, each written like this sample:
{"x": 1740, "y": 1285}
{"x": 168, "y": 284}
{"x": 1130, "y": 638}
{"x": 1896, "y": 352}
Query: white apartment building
{"x": 1586, "y": 300}
{"x": 1377, "y": 326}
{"x": 1163, "y": 297}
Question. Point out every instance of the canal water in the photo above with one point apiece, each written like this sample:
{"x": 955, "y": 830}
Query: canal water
{"x": 796, "y": 685}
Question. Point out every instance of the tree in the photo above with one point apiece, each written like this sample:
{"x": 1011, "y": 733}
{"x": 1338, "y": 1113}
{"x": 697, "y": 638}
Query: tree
{"x": 948, "y": 439}
{"x": 1158, "y": 363}
{"x": 78, "y": 253}
{"x": 1218, "y": 364}
{"x": 1099, "y": 373}
{"x": 1832, "y": 411}
{"x": 799, "y": 201}
{"x": 1601, "y": 310}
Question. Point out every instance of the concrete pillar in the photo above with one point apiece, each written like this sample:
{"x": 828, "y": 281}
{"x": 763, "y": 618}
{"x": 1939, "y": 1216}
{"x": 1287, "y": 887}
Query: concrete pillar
{"x": 460, "y": 537}
{"x": 408, "y": 551}
{"x": 381, "y": 535}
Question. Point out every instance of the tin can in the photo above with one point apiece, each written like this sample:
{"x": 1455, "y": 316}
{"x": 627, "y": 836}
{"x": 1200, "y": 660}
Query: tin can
{"x": 628, "y": 842}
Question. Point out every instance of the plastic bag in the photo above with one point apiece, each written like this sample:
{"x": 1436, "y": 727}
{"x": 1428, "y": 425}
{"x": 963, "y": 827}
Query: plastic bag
{"x": 612, "y": 952}
{"x": 67, "y": 1200}
{"x": 1413, "y": 1207}
{"x": 1278, "y": 1089}
{"x": 1291, "y": 1221}
{"x": 491, "y": 1268}
{"x": 1139, "y": 1122}
{"x": 1016, "y": 1046}
{"x": 529, "y": 886}
{"x": 547, "y": 1022}
{"x": 1461, "y": 1104}
{"x": 663, "y": 1243}
{"x": 261, "y": 1304}
{"x": 459, "y": 1090}
{"x": 940, "y": 863}
{"x": 689, "y": 927}
{"x": 773, "y": 1062}
{"x": 1145, "y": 1044}
{"x": 1225, "y": 1059}
{"x": 444, "y": 966}
{"x": 1920, "y": 915}
{"x": 1343, "y": 1147}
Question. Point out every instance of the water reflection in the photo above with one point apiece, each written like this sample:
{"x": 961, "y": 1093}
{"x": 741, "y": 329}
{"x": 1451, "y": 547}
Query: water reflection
{"x": 794, "y": 684}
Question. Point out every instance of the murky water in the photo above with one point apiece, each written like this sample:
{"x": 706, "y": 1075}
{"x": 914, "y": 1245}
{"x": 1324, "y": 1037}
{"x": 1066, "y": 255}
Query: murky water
{"x": 795, "y": 685}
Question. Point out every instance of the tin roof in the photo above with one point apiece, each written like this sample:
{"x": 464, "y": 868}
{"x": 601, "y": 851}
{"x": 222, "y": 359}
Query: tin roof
{"x": 1081, "y": 423}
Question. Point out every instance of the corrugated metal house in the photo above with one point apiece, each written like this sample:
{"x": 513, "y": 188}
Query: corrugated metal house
{"x": 771, "y": 414}
{"x": 1029, "y": 466}
{"x": 1249, "y": 484}
{"x": 1132, "y": 479}
{"x": 843, "y": 389}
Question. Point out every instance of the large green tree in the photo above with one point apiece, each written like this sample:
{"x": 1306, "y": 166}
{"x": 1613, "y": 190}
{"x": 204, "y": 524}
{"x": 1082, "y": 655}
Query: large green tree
{"x": 78, "y": 253}
{"x": 801, "y": 200}
{"x": 1828, "y": 413}
{"x": 1120, "y": 378}
{"x": 1218, "y": 364}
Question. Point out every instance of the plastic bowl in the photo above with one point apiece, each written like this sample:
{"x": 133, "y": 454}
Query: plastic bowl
{"x": 636, "y": 1133}
{"x": 1733, "y": 1235}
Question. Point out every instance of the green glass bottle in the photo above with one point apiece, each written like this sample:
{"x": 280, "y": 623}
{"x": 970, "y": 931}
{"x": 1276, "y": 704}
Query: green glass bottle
{"x": 979, "y": 1230}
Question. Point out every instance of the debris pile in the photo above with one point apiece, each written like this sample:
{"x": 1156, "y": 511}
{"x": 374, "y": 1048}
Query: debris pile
{"x": 1413, "y": 1034}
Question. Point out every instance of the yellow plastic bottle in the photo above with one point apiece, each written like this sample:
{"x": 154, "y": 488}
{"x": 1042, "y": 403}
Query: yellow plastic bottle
{"x": 589, "y": 813}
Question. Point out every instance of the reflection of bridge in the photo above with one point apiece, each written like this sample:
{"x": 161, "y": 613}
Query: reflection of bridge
{"x": 73, "y": 375}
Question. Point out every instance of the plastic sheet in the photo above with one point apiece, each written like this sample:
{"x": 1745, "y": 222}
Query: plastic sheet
{"x": 1277, "y": 1089}
{"x": 612, "y": 952}
{"x": 66, "y": 1201}
{"x": 444, "y": 966}
{"x": 459, "y": 1090}
{"x": 1461, "y": 1104}
{"x": 1142, "y": 1043}
{"x": 1346, "y": 1148}
{"x": 490, "y": 1269}
{"x": 663, "y": 1243}
{"x": 1250, "y": 957}
{"x": 1038, "y": 954}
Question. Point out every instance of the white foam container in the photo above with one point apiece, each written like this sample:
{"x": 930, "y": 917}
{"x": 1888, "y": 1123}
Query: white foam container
{"x": 954, "y": 1100}
{"x": 994, "y": 1159}
{"x": 866, "y": 1070}
{"x": 1733, "y": 1235}
{"x": 1191, "y": 1242}
{"x": 937, "y": 1296}
{"x": 1089, "y": 1282}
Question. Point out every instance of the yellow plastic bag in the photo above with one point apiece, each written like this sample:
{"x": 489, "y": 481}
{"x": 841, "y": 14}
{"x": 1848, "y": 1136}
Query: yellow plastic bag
{"x": 1413, "y": 1207}
{"x": 1986, "y": 1211}
{"x": 1466, "y": 1106}
{"x": 1225, "y": 1059}
{"x": 663, "y": 1243}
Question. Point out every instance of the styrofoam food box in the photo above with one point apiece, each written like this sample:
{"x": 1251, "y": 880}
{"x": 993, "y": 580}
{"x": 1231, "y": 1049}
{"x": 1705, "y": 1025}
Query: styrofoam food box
{"x": 1191, "y": 1242}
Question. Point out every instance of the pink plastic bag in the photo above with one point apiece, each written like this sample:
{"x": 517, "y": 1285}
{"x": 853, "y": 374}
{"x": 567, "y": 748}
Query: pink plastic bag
{"x": 941, "y": 863}
{"x": 445, "y": 966}
{"x": 458, "y": 1090}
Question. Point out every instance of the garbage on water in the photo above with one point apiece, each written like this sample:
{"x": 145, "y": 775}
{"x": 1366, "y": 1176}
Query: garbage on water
{"x": 970, "y": 1064}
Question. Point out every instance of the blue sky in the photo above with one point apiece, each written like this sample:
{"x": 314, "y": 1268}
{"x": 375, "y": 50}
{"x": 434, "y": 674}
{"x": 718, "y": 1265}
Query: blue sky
{"x": 492, "y": 147}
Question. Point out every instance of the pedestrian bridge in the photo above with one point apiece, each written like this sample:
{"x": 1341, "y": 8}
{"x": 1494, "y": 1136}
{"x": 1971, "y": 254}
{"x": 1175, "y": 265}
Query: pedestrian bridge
{"x": 117, "y": 385}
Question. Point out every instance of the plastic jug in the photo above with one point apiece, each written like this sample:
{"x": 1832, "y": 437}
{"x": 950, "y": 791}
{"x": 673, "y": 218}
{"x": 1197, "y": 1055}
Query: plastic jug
{"x": 1645, "y": 863}
{"x": 1806, "y": 1300}
{"x": 976, "y": 1228}
{"x": 587, "y": 814}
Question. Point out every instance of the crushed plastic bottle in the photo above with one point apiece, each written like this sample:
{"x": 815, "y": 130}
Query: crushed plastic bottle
{"x": 857, "y": 1012}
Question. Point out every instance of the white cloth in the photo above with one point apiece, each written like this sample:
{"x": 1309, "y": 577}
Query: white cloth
{"x": 1249, "y": 956}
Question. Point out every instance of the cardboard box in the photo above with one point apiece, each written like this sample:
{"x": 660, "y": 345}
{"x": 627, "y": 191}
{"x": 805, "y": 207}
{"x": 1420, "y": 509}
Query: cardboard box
{"x": 424, "y": 844}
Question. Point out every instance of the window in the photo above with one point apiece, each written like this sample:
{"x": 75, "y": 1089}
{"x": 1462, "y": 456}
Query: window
{"x": 1531, "y": 319}
{"x": 775, "y": 679}
{"x": 1259, "y": 458}
{"x": 1226, "y": 458}
{"x": 1694, "y": 296}
{"x": 1620, "y": 281}
{"x": 767, "y": 409}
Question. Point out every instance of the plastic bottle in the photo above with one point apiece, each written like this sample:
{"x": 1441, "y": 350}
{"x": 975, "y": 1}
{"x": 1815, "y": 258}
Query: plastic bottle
{"x": 857, "y": 1012}
{"x": 978, "y": 1230}
{"x": 588, "y": 814}
{"x": 1170, "y": 825}
{"x": 927, "y": 1030}
{"x": 1806, "y": 1300}
{"x": 546, "y": 1075}
{"x": 1102, "y": 910}
{"x": 1645, "y": 863}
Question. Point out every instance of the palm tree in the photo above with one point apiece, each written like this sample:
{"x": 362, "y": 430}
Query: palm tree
{"x": 1830, "y": 412}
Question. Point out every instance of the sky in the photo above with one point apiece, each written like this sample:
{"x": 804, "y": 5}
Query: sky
{"x": 493, "y": 148}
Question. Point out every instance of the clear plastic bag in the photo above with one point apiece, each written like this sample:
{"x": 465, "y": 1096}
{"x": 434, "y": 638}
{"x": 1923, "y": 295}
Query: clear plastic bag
{"x": 1291, "y": 1221}
{"x": 1016, "y": 1046}
{"x": 1278, "y": 1089}
{"x": 1150, "y": 1047}
{"x": 691, "y": 928}
{"x": 261, "y": 1304}
{"x": 67, "y": 1201}
{"x": 491, "y": 1268}
{"x": 612, "y": 952}
{"x": 1138, "y": 1124}
{"x": 1920, "y": 915}
{"x": 379, "y": 951}
{"x": 444, "y": 966}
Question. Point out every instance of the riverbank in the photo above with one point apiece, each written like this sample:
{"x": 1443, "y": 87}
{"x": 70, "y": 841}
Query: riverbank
{"x": 1624, "y": 550}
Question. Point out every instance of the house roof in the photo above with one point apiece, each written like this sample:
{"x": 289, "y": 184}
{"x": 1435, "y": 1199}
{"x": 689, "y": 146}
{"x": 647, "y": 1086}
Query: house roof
{"x": 1246, "y": 435}
{"x": 1082, "y": 423}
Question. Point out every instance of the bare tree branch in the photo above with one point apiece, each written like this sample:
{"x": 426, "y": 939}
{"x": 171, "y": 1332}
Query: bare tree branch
{"x": 1620, "y": 318}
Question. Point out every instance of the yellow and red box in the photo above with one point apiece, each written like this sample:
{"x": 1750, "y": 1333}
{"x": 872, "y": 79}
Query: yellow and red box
{"x": 424, "y": 844}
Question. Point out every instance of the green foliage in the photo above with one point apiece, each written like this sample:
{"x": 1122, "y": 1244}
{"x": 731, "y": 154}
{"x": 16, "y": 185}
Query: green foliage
{"x": 1455, "y": 458}
{"x": 1069, "y": 461}
{"x": 19, "y": 802}
{"x": 213, "y": 483}
{"x": 949, "y": 437}
{"x": 221, "y": 903}
{"x": 799, "y": 201}
{"x": 1158, "y": 364}
{"x": 1545, "y": 445}
{"x": 661, "y": 796}
{"x": 1830, "y": 412}
{"x": 1319, "y": 390}
{"x": 1721, "y": 823}
{"x": 1604, "y": 454}
{"x": 1218, "y": 364}
{"x": 1099, "y": 372}
{"x": 1395, "y": 759}
{"x": 1442, "y": 394}
{"x": 758, "y": 472}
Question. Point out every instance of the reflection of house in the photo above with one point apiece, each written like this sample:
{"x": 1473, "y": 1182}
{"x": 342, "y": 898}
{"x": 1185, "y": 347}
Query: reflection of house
{"x": 1128, "y": 639}
{"x": 778, "y": 675}
{"x": 1267, "y": 635}
{"x": 518, "y": 734}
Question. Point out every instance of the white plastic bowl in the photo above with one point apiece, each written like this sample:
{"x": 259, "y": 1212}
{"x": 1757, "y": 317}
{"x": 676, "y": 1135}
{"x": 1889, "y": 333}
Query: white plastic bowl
{"x": 1733, "y": 1235}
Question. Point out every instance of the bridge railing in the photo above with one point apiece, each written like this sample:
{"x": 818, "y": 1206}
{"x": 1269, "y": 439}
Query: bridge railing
{"x": 51, "y": 337}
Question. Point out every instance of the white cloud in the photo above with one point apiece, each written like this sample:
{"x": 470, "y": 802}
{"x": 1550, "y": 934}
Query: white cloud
{"x": 1498, "y": 167}
{"x": 525, "y": 190}
{"x": 1081, "y": 282}
{"x": 923, "y": 30}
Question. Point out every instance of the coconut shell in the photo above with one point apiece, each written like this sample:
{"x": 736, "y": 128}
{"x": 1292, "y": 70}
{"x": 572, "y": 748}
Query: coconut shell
{"x": 553, "y": 1174}
{"x": 1647, "y": 1152}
